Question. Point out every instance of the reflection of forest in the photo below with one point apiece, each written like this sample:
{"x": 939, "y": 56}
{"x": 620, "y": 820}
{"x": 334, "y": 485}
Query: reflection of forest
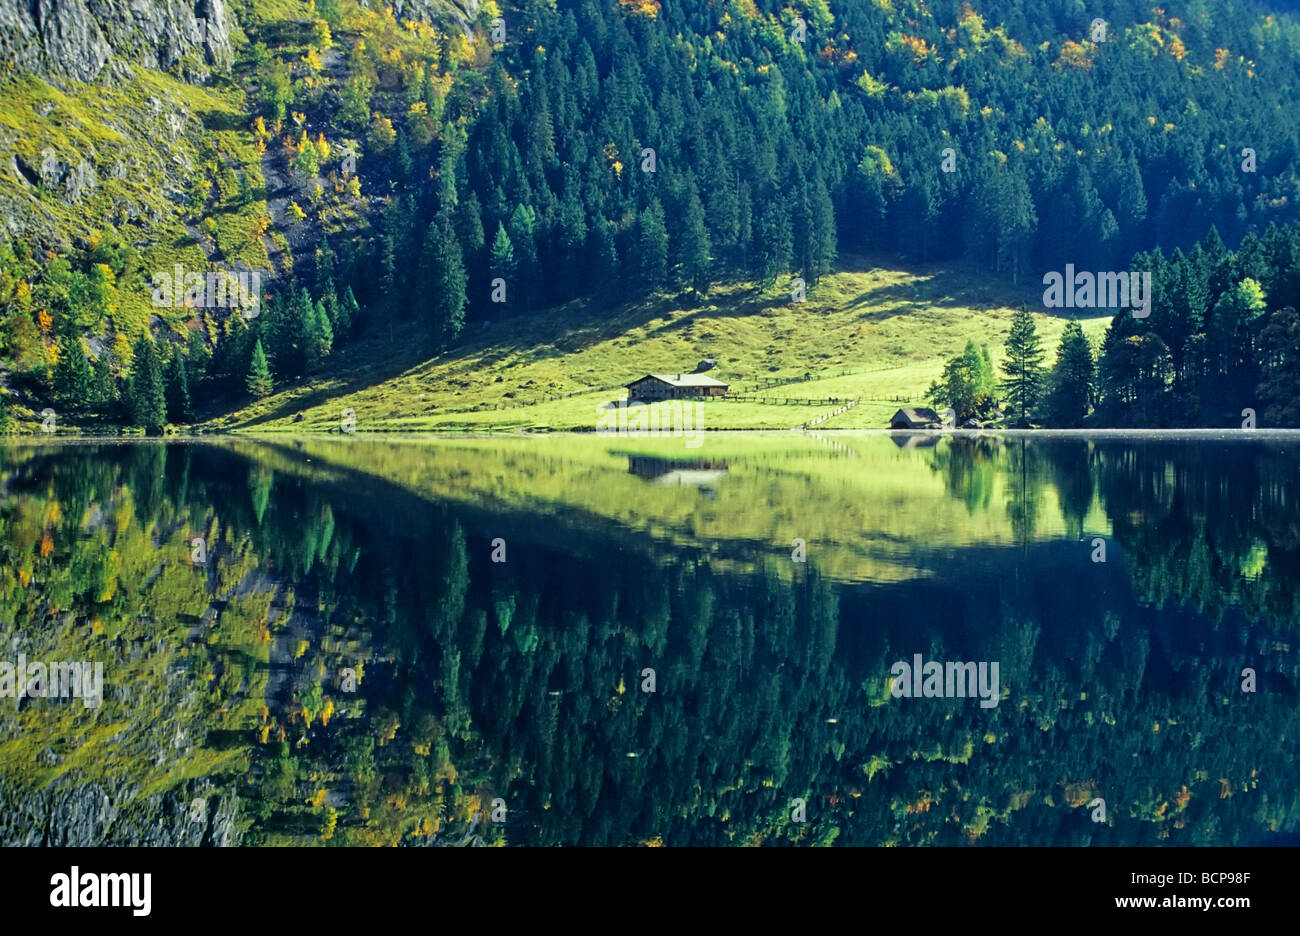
{"x": 522, "y": 680}
{"x": 1211, "y": 525}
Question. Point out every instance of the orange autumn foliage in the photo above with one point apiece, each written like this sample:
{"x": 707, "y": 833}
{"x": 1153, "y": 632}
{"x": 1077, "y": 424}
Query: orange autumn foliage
{"x": 921, "y": 805}
{"x": 917, "y": 46}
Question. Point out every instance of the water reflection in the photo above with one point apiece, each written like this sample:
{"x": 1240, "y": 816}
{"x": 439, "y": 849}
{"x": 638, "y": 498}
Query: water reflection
{"x": 398, "y": 642}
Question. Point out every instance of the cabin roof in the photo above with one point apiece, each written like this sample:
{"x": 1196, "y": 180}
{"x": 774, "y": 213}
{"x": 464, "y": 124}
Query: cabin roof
{"x": 918, "y": 414}
{"x": 684, "y": 380}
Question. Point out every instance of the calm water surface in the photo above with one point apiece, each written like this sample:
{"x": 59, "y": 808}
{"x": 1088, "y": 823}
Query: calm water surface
{"x": 582, "y": 640}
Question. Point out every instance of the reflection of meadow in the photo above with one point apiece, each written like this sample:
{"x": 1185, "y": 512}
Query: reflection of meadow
{"x": 867, "y": 508}
{"x": 521, "y": 680}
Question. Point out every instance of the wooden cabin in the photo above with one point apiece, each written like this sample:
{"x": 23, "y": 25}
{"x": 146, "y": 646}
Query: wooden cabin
{"x": 675, "y": 387}
{"x": 915, "y": 417}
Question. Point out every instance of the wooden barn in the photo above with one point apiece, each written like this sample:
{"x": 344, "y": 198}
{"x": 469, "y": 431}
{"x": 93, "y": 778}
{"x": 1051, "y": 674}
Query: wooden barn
{"x": 915, "y": 417}
{"x": 675, "y": 387}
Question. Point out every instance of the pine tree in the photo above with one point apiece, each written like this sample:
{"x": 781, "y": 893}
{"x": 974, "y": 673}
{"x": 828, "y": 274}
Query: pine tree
{"x": 296, "y": 351}
{"x": 329, "y": 301}
{"x": 822, "y": 240}
{"x": 1072, "y": 380}
{"x": 147, "y": 394}
{"x": 1276, "y": 392}
{"x": 652, "y": 240}
{"x": 1016, "y": 222}
{"x": 453, "y": 147}
{"x": 1023, "y": 367}
{"x": 722, "y": 199}
{"x": 573, "y": 237}
{"x": 605, "y": 259}
{"x": 349, "y": 314}
{"x": 696, "y": 264}
{"x": 1232, "y": 331}
{"x": 72, "y": 378}
{"x": 402, "y": 166}
{"x": 467, "y": 221}
{"x": 442, "y": 261}
{"x": 258, "y": 382}
{"x": 1131, "y": 206}
{"x": 522, "y": 230}
{"x": 178, "y": 389}
{"x": 196, "y": 361}
{"x": 326, "y": 267}
{"x": 322, "y": 335}
{"x": 502, "y": 263}
{"x": 775, "y": 242}
{"x": 103, "y": 387}
{"x": 389, "y": 283}
{"x": 1134, "y": 375}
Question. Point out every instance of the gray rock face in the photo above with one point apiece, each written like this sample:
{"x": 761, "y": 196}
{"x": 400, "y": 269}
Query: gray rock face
{"x": 77, "y": 38}
{"x": 434, "y": 10}
{"x": 71, "y": 37}
{"x": 446, "y": 12}
{"x": 87, "y": 815}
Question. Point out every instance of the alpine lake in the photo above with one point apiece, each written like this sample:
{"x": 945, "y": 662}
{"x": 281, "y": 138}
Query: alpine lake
{"x": 581, "y": 640}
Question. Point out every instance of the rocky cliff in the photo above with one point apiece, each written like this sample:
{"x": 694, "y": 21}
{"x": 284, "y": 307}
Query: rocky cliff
{"x": 72, "y": 814}
{"x": 459, "y": 12}
{"x": 78, "y": 38}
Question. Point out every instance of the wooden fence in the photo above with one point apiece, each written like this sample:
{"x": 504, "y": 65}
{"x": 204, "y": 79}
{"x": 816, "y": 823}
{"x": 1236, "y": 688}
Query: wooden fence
{"x": 821, "y": 419}
{"x": 768, "y": 383}
{"x": 778, "y": 401}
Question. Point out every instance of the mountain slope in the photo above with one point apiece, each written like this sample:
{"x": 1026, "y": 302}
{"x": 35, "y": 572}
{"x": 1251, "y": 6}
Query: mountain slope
{"x": 879, "y": 334}
{"x": 398, "y": 170}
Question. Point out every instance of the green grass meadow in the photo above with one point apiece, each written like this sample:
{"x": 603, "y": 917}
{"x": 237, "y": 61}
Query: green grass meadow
{"x": 879, "y": 335}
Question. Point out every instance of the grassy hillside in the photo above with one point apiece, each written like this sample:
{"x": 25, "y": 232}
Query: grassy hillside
{"x": 872, "y": 333}
{"x": 143, "y": 170}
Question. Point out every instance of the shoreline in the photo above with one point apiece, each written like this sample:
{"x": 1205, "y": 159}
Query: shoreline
{"x": 1222, "y": 435}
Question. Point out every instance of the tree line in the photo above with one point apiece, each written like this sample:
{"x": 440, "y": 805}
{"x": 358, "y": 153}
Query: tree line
{"x": 608, "y": 150}
{"x": 1219, "y": 348}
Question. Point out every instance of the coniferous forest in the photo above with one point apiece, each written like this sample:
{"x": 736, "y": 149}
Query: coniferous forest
{"x": 610, "y": 276}
{"x": 413, "y": 172}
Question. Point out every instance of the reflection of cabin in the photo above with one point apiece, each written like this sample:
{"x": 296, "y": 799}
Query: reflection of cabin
{"x": 907, "y": 440}
{"x": 675, "y": 387}
{"x": 666, "y": 471}
{"x": 915, "y": 417}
